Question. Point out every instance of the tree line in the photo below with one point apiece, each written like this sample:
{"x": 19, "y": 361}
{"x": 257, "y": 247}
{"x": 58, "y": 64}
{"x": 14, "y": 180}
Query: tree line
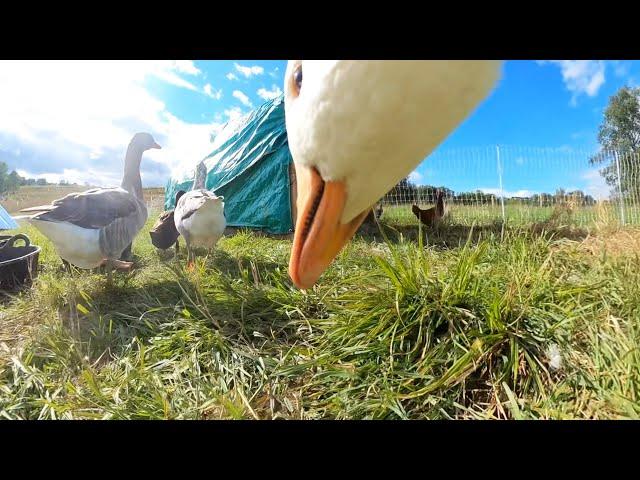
{"x": 406, "y": 192}
{"x": 620, "y": 133}
{"x": 11, "y": 181}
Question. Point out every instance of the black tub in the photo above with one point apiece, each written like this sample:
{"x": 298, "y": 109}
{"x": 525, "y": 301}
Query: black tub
{"x": 18, "y": 265}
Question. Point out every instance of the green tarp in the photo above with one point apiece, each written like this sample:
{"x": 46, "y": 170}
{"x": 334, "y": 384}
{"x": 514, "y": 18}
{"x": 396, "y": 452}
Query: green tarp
{"x": 249, "y": 166}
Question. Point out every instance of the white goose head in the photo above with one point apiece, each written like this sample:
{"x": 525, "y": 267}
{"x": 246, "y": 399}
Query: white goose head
{"x": 143, "y": 141}
{"x": 131, "y": 180}
{"x": 355, "y": 128}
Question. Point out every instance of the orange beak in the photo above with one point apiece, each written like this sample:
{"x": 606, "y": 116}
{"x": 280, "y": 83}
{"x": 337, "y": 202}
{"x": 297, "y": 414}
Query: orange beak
{"x": 319, "y": 235}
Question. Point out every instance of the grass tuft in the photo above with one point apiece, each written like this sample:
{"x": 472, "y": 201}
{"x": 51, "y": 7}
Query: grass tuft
{"x": 477, "y": 322}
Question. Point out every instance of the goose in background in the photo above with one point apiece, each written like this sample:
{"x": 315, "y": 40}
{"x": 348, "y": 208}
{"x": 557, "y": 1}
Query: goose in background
{"x": 355, "y": 128}
{"x": 93, "y": 228}
{"x": 199, "y": 215}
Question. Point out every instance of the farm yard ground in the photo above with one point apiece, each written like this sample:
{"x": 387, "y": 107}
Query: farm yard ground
{"x": 34, "y": 196}
{"x": 469, "y": 320}
{"x": 523, "y": 215}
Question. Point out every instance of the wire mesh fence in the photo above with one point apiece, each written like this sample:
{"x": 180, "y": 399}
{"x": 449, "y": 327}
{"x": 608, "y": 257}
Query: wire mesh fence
{"x": 523, "y": 185}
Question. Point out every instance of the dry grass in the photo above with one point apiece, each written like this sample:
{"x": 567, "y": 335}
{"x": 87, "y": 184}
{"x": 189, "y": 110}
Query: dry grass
{"x": 33, "y": 196}
{"x": 27, "y": 197}
{"x": 618, "y": 243}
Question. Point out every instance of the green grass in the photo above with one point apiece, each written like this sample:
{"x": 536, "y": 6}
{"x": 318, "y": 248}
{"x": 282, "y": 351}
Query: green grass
{"x": 520, "y": 215}
{"x": 442, "y": 329}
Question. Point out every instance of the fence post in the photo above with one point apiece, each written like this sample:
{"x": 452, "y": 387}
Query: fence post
{"x": 504, "y": 218}
{"x": 621, "y": 200}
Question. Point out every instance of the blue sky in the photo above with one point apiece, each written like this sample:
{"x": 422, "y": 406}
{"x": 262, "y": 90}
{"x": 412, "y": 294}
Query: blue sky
{"x": 234, "y": 87}
{"x": 73, "y": 120}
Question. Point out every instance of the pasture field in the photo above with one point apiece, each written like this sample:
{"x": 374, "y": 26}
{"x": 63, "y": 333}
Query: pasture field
{"x": 465, "y": 322}
{"x": 34, "y": 196}
{"x": 521, "y": 214}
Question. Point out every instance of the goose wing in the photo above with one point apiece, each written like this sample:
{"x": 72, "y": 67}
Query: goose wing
{"x": 93, "y": 209}
{"x": 190, "y": 203}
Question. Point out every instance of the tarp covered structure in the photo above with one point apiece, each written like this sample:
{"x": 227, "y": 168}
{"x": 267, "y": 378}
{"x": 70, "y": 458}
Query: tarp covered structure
{"x": 251, "y": 167}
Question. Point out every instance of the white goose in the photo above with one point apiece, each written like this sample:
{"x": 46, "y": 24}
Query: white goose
{"x": 93, "y": 228}
{"x": 199, "y": 215}
{"x": 355, "y": 128}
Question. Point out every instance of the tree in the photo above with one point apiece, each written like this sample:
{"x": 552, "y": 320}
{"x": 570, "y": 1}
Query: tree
{"x": 620, "y": 132}
{"x": 41, "y": 182}
{"x": 12, "y": 182}
{"x": 21, "y": 180}
{"x": 403, "y": 192}
{"x": 9, "y": 182}
{"x": 3, "y": 177}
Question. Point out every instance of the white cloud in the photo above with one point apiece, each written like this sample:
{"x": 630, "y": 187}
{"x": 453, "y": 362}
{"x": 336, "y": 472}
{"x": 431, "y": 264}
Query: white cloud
{"x": 176, "y": 80}
{"x": 415, "y": 177}
{"x": 507, "y": 193}
{"x": 74, "y": 119}
{"x": 211, "y": 92}
{"x": 565, "y": 149}
{"x": 234, "y": 113}
{"x": 80, "y": 177}
{"x": 270, "y": 94}
{"x": 579, "y": 135}
{"x": 168, "y": 70}
{"x": 231, "y": 76}
{"x": 186, "y": 66}
{"x": 248, "y": 72}
{"x": 596, "y": 184}
{"x": 581, "y": 77}
{"x": 243, "y": 98}
{"x": 620, "y": 68}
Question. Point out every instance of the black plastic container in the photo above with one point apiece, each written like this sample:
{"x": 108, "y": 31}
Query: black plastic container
{"x": 18, "y": 265}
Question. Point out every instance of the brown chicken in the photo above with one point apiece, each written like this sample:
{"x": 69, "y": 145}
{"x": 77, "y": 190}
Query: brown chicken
{"x": 374, "y": 213}
{"x": 164, "y": 233}
{"x": 433, "y": 215}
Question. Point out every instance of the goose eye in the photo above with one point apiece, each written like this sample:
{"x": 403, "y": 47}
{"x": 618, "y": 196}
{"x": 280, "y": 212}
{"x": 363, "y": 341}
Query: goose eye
{"x": 297, "y": 77}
